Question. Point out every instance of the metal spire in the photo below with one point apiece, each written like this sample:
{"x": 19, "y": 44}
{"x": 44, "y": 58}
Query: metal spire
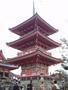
{"x": 33, "y": 8}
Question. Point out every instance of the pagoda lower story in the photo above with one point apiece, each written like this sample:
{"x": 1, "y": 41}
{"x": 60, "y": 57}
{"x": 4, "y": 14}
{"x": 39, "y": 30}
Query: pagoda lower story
{"x": 34, "y": 63}
{"x": 34, "y": 70}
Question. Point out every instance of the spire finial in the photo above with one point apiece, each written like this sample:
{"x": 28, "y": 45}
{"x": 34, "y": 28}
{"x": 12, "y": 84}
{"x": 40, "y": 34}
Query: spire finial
{"x": 33, "y": 8}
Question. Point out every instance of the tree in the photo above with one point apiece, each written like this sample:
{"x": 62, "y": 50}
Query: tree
{"x": 64, "y": 53}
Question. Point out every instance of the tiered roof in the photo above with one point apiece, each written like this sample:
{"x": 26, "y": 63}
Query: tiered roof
{"x": 33, "y": 33}
{"x": 35, "y": 57}
{"x": 34, "y": 23}
{"x": 32, "y": 39}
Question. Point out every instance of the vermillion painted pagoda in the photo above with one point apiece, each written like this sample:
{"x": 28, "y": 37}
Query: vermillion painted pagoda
{"x": 34, "y": 44}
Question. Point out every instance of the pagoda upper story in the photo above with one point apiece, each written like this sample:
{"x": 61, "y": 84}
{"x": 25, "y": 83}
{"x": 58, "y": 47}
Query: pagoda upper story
{"x": 34, "y": 42}
{"x": 33, "y": 24}
{"x": 34, "y": 32}
{"x": 33, "y": 39}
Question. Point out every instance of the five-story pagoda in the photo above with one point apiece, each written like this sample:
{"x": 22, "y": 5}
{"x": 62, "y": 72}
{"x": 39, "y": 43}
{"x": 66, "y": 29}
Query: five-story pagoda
{"x": 34, "y": 44}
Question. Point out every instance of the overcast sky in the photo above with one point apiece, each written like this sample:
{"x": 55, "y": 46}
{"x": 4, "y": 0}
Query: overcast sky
{"x": 13, "y": 12}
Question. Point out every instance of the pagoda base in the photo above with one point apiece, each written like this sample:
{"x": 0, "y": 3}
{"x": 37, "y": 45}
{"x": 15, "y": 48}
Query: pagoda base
{"x": 36, "y": 81}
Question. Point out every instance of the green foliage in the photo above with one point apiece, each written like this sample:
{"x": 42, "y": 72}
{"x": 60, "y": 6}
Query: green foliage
{"x": 64, "y": 53}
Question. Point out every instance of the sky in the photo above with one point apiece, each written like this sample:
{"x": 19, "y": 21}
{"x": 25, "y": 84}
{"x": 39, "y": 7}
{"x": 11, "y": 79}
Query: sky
{"x": 14, "y": 12}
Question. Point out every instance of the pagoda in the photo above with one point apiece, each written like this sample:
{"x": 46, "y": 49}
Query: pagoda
{"x": 34, "y": 44}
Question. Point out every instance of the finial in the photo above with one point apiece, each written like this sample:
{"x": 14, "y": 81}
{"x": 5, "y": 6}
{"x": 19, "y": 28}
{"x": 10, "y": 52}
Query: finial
{"x": 33, "y": 8}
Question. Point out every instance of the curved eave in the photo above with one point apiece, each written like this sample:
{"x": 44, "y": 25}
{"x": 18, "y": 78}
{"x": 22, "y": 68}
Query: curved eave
{"x": 49, "y": 60}
{"x": 2, "y": 57}
{"x": 43, "y": 22}
{"x": 31, "y": 21}
{"x": 28, "y": 37}
{"x": 7, "y": 66}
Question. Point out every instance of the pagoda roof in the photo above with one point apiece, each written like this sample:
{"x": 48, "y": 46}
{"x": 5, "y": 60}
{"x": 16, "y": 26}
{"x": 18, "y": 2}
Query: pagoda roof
{"x": 33, "y": 38}
{"x": 3, "y": 64}
{"x": 35, "y": 57}
{"x": 2, "y": 57}
{"x": 7, "y": 66}
{"x": 31, "y": 24}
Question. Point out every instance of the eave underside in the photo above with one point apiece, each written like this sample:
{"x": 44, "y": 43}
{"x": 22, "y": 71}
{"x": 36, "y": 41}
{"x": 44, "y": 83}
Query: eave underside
{"x": 36, "y": 57}
{"x": 8, "y": 66}
{"x": 32, "y": 39}
{"x": 30, "y": 25}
